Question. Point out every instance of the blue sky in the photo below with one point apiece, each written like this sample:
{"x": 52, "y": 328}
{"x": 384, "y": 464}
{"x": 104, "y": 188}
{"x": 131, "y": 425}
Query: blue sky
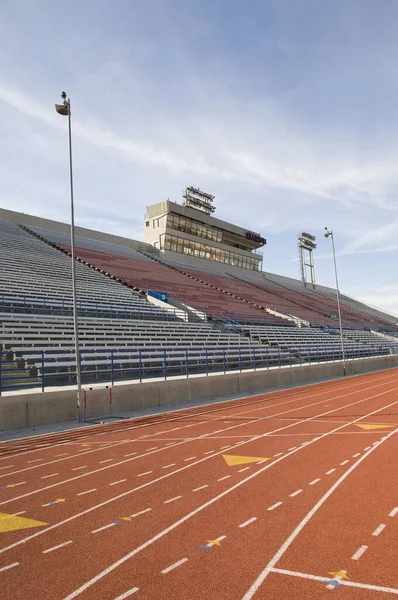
{"x": 286, "y": 110}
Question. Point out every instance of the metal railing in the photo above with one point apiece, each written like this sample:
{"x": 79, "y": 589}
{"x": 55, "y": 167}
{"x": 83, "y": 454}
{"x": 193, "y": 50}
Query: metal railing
{"x": 56, "y": 367}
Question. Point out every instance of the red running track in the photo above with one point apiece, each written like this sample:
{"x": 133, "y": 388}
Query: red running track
{"x": 288, "y": 494}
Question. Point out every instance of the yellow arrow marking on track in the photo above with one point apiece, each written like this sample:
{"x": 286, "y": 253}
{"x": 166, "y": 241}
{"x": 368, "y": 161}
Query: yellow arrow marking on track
{"x": 339, "y": 574}
{"x": 13, "y": 523}
{"x": 214, "y": 542}
{"x": 241, "y": 460}
{"x": 367, "y": 426}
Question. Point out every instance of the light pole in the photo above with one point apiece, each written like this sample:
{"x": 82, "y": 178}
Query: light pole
{"x": 330, "y": 234}
{"x": 65, "y": 110}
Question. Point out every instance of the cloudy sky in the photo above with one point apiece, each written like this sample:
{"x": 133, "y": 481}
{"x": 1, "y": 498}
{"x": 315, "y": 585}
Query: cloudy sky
{"x": 286, "y": 110}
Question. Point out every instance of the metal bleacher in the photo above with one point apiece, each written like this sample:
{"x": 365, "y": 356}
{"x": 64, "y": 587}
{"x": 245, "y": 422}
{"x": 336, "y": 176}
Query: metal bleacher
{"x": 121, "y": 335}
{"x": 308, "y": 344}
{"x": 244, "y": 322}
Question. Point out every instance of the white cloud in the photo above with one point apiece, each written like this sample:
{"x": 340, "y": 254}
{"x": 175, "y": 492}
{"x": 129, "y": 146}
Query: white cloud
{"x": 167, "y": 101}
{"x": 380, "y": 239}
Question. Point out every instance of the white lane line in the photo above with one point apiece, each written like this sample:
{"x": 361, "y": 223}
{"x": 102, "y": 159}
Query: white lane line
{"x": 57, "y": 547}
{"x": 233, "y": 427}
{"x": 84, "y": 587}
{"x": 290, "y": 539}
{"x": 225, "y": 447}
{"x": 222, "y": 478}
{"x": 292, "y": 448}
{"x": 146, "y": 473}
{"x": 378, "y": 530}
{"x": 150, "y": 449}
{"x": 208, "y": 452}
{"x": 35, "y": 460}
{"x": 344, "y": 462}
{"x": 19, "y": 483}
{"x": 274, "y": 506}
{"x": 359, "y": 553}
{"x": 367, "y": 448}
{"x": 22, "y": 512}
{"x": 47, "y": 476}
{"x": 8, "y": 467}
{"x": 116, "y": 482}
{"x": 393, "y": 512}
{"x": 104, "y": 527}
{"x": 141, "y": 512}
{"x": 168, "y": 466}
{"x": 330, "y": 471}
{"x": 366, "y": 586}
{"x": 86, "y": 492}
{"x": 248, "y": 522}
{"x": 161, "y": 534}
{"x": 131, "y": 454}
{"x": 174, "y": 566}
{"x": 190, "y": 458}
{"x": 172, "y": 500}
{"x": 244, "y": 469}
{"x": 279, "y": 454}
{"x": 296, "y": 493}
{"x": 105, "y": 461}
{"x": 78, "y": 468}
{"x": 128, "y": 593}
{"x": 355, "y": 455}
{"x": 202, "y": 487}
{"x": 277, "y": 404}
{"x": 62, "y": 454}
{"x": 314, "y": 481}
{"x": 9, "y": 567}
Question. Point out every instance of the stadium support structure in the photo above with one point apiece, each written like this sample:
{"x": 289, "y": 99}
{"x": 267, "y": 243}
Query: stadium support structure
{"x": 306, "y": 245}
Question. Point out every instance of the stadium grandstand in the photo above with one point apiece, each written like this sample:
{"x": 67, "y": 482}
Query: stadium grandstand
{"x": 191, "y": 299}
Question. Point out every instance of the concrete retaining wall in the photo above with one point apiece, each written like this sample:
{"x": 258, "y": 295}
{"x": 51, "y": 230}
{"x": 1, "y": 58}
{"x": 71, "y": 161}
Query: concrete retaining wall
{"x": 30, "y": 410}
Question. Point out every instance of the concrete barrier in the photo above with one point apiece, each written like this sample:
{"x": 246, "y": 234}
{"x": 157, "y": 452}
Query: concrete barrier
{"x": 315, "y": 372}
{"x": 27, "y": 410}
{"x": 30, "y": 410}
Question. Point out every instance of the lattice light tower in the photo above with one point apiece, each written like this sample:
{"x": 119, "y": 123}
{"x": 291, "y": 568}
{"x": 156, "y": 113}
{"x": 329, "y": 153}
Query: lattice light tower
{"x": 195, "y": 198}
{"x": 306, "y": 244}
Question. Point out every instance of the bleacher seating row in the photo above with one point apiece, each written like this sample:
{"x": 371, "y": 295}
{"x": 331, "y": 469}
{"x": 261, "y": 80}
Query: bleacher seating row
{"x": 306, "y": 342}
{"x": 123, "y": 336}
{"x": 37, "y": 273}
{"x": 250, "y": 294}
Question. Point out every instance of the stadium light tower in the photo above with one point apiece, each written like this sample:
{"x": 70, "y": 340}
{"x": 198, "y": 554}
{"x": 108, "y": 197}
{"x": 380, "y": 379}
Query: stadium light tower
{"x": 65, "y": 110}
{"x": 330, "y": 234}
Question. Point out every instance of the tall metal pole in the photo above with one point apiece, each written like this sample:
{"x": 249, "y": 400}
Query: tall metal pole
{"x": 65, "y": 110}
{"x": 330, "y": 233}
{"x": 74, "y": 294}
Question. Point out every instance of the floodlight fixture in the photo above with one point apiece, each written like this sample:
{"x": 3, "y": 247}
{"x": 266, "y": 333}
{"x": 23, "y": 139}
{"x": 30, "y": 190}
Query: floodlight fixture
{"x": 306, "y": 243}
{"x": 197, "y": 199}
